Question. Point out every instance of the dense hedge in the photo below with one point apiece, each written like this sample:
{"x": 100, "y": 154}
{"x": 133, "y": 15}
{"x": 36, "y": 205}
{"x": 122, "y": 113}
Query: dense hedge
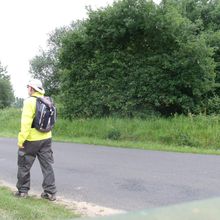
{"x": 136, "y": 58}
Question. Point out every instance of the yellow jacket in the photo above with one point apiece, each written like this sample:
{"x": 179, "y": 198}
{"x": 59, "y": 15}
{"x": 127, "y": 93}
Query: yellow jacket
{"x": 28, "y": 114}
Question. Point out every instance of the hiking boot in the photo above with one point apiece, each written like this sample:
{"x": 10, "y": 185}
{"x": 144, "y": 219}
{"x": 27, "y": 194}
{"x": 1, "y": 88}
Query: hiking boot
{"x": 21, "y": 194}
{"x": 51, "y": 197}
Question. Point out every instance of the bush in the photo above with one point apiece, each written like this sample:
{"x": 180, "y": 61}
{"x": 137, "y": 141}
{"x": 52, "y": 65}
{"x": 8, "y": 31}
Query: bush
{"x": 135, "y": 57}
{"x": 213, "y": 105}
{"x": 184, "y": 139}
{"x": 113, "y": 134}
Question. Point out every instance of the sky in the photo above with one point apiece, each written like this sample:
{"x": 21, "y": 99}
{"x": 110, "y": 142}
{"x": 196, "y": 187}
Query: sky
{"x": 25, "y": 27}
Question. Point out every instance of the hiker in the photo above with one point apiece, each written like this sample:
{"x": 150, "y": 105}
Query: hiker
{"x": 32, "y": 143}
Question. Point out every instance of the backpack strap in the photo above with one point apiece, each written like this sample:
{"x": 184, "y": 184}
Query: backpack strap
{"x": 32, "y": 126}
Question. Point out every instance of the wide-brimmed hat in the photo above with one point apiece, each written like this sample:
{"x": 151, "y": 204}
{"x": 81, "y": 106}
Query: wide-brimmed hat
{"x": 37, "y": 85}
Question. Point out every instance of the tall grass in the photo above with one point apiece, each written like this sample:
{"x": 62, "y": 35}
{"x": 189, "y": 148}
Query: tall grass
{"x": 179, "y": 132}
{"x": 10, "y": 122}
{"x": 198, "y": 131}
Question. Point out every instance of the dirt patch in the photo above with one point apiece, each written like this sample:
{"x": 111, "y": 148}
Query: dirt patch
{"x": 88, "y": 209}
{"x": 81, "y": 208}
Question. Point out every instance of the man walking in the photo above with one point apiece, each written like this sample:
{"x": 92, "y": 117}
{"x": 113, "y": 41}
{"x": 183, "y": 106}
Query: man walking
{"x": 33, "y": 143}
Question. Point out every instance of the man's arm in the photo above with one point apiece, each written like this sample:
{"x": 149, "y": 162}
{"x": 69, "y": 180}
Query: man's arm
{"x": 26, "y": 121}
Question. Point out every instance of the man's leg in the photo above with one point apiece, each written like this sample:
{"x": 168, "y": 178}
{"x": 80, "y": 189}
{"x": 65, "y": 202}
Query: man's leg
{"x": 45, "y": 156}
{"x": 25, "y": 162}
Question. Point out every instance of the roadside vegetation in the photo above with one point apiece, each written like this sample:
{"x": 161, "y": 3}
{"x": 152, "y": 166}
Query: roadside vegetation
{"x": 129, "y": 75}
{"x": 30, "y": 208}
{"x": 136, "y": 58}
{"x": 6, "y": 90}
{"x": 198, "y": 134}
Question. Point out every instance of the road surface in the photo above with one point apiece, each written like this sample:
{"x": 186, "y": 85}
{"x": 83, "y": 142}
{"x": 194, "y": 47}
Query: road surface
{"x": 125, "y": 179}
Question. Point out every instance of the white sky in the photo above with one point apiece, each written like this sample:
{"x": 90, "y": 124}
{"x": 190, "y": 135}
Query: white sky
{"x": 25, "y": 25}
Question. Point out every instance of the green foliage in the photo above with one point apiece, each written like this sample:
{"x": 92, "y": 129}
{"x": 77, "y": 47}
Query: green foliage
{"x": 205, "y": 15}
{"x": 10, "y": 118}
{"x": 6, "y": 91}
{"x": 136, "y": 57}
{"x": 192, "y": 133}
{"x": 185, "y": 139}
{"x": 114, "y": 134}
{"x": 18, "y": 103}
{"x": 44, "y": 66}
{"x": 213, "y": 105}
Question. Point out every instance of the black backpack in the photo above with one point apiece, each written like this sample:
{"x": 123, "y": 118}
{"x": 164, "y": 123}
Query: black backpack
{"x": 46, "y": 114}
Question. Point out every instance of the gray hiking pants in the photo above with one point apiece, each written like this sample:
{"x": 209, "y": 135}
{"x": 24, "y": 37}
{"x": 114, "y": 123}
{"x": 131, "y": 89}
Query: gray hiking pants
{"x": 26, "y": 157}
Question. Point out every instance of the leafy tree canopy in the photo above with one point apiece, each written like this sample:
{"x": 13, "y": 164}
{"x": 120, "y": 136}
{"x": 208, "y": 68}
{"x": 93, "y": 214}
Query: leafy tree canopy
{"x": 6, "y": 91}
{"x": 136, "y": 58}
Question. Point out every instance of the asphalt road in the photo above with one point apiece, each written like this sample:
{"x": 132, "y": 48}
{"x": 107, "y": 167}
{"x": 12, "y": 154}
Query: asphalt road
{"x": 125, "y": 179}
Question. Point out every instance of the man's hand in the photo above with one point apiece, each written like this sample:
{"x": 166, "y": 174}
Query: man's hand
{"x": 20, "y": 146}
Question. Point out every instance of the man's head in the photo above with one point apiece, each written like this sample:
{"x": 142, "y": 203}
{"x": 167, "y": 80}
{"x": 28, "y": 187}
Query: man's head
{"x": 35, "y": 85}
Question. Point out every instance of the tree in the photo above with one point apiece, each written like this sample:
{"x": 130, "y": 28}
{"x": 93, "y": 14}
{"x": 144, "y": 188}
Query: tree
{"x": 44, "y": 66}
{"x": 6, "y": 91}
{"x": 18, "y": 103}
{"x": 205, "y": 14}
{"x": 135, "y": 57}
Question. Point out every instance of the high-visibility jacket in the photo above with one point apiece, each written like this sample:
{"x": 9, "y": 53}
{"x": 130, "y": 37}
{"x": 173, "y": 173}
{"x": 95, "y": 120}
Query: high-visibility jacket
{"x": 28, "y": 113}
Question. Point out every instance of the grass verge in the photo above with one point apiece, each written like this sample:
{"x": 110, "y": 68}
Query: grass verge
{"x": 196, "y": 134}
{"x": 30, "y": 208}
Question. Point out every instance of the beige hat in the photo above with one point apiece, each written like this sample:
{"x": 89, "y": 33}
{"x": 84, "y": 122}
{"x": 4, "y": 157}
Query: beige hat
{"x": 37, "y": 85}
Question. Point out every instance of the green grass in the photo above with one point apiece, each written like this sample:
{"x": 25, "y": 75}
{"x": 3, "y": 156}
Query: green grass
{"x": 30, "y": 208}
{"x": 197, "y": 134}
